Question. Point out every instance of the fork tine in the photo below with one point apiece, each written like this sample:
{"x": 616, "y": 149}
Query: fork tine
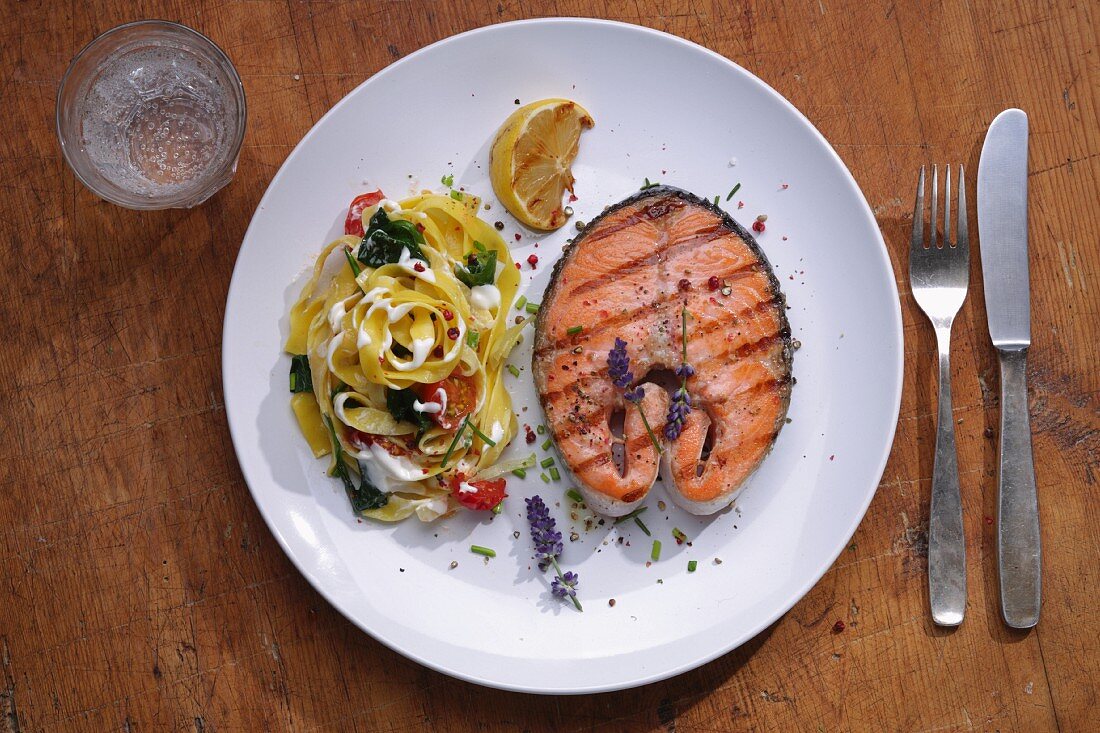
{"x": 947, "y": 207}
{"x": 935, "y": 207}
{"x": 962, "y": 240}
{"x": 916, "y": 242}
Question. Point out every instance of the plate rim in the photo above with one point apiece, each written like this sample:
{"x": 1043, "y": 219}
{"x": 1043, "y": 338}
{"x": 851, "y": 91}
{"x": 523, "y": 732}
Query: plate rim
{"x": 719, "y": 649}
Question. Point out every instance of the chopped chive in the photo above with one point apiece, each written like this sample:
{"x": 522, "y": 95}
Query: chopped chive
{"x": 554, "y": 474}
{"x": 457, "y": 195}
{"x": 351, "y": 261}
{"x": 547, "y": 462}
{"x": 680, "y": 536}
{"x": 547, "y": 443}
{"x": 485, "y": 438}
{"x": 499, "y": 507}
{"x": 575, "y": 496}
{"x": 638, "y": 521}
{"x": 521, "y": 302}
{"x": 540, "y": 429}
{"x": 513, "y": 370}
{"x": 650, "y": 184}
{"x": 454, "y": 441}
{"x": 544, "y": 477}
{"x": 479, "y": 550}
{"x": 655, "y": 553}
{"x": 448, "y": 180}
{"x": 472, "y": 339}
{"x": 632, "y": 515}
{"x": 519, "y": 472}
{"x": 734, "y": 191}
{"x": 574, "y": 330}
{"x": 531, "y": 308}
{"x": 716, "y": 202}
{"x": 692, "y": 564}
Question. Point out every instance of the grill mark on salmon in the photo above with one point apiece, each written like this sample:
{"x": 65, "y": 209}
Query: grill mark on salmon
{"x": 568, "y": 343}
{"x": 666, "y": 250}
{"x": 741, "y": 352}
{"x": 580, "y": 418}
{"x": 650, "y": 214}
{"x": 620, "y": 278}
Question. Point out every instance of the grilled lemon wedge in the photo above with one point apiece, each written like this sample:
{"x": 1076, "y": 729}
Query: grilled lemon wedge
{"x": 531, "y": 159}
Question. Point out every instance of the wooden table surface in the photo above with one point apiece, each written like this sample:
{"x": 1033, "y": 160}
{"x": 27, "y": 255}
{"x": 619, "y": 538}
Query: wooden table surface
{"x": 139, "y": 588}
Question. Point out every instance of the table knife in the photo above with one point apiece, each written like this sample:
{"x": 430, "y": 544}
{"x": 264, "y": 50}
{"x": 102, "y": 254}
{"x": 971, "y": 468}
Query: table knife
{"x": 1002, "y": 229}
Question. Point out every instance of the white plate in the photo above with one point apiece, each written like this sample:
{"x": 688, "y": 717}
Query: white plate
{"x": 665, "y": 109}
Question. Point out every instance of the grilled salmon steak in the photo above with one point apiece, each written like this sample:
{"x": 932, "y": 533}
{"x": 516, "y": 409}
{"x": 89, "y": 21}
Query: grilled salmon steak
{"x": 632, "y": 274}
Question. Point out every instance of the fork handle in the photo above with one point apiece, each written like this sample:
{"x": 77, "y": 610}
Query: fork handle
{"x": 1018, "y": 551}
{"x": 946, "y": 542}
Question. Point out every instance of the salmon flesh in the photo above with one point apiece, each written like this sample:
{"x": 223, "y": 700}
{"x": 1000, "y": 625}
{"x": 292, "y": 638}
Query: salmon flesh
{"x": 630, "y": 274}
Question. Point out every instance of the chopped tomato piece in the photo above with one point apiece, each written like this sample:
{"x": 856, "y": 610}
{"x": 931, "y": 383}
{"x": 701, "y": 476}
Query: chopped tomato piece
{"x": 460, "y": 394}
{"x": 354, "y": 223}
{"x": 358, "y": 439}
{"x": 477, "y": 495}
{"x": 361, "y": 441}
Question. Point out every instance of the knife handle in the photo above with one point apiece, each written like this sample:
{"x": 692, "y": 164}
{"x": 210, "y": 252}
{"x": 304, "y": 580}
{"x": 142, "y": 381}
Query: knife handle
{"x": 946, "y": 542}
{"x": 1019, "y": 560}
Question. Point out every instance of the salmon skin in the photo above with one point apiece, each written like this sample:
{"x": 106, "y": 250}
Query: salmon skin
{"x": 630, "y": 274}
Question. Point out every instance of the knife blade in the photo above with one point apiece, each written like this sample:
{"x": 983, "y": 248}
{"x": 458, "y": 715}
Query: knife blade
{"x": 1002, "y": 226}
{"x": 1002, "y": 230}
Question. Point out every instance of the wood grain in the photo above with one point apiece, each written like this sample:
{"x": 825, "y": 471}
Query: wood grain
{"x": 139, "y": 587}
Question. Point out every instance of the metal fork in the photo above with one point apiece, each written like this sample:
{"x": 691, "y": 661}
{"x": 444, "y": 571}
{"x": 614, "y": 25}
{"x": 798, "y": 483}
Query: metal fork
{"x": 938, "y": 276}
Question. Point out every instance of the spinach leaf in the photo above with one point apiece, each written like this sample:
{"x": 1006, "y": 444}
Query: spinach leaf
{"x": 301, "y": 379}
{"x": 400, "y": 404}
{"x": 367, "y": 496}
{"x": 362, "y": 497}
{"x": 481, "y": 267}
{"x": 384, "y": 239}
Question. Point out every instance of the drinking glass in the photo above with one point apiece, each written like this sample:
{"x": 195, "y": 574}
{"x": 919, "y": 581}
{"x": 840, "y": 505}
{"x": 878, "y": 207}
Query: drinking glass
{"x": 151, "y": 115}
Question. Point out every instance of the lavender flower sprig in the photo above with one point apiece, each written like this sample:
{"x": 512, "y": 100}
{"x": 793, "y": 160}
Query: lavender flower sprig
{"x": 681, "y": 404}
{"x": 566, "y": 586}
{"x": 618, "y": 368}
{"x": 548, "y": 546}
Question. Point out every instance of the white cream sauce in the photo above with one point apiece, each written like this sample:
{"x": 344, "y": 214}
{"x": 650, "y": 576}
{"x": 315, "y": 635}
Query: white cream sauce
{"x": 363, "y": 339}
{"x": 408, "y": 263}
{"x": 338, "y": 406}
{"x": 436, "y": 406}
{"x": 336, "y": 316}
{"x": 333, "y": 345}
{"x": 393, "y": 312}
{"x": 485, "y": 296}
{"x": 420, "y": 350}
{"x": 397, "y": 467}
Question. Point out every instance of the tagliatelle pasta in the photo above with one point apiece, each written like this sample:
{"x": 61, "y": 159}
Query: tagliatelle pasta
{"x": 400, "y": 338}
